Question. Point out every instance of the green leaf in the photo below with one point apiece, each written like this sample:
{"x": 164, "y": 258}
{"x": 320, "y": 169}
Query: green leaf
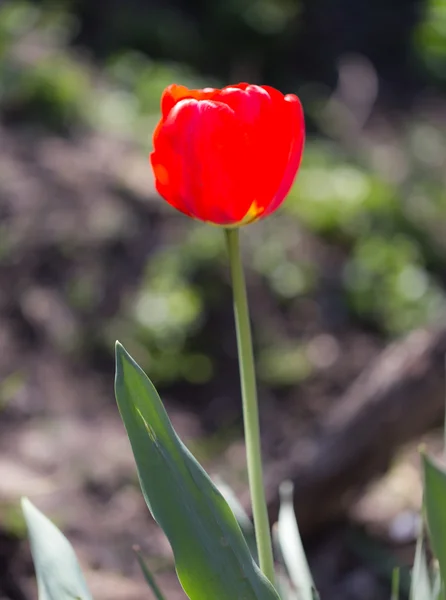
{"x": 421, "y": 588}
{"x": 59, "y": 576}
{"x": 240, "y": 515}
{"x": 286, "y": 591}
{"x": 435, "y": 507}
{"x": 150, "y": 579}
{"x": 291, "y": 546}
{"x": 212, "y": 558}
{"x": 283, "y": 584}
{"x": 437, "y": 586}
{"x": 395, "y": 583}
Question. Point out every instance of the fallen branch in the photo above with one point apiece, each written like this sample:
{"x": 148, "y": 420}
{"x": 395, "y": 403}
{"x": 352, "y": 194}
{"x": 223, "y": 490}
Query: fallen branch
{"x": 397, "y": 399}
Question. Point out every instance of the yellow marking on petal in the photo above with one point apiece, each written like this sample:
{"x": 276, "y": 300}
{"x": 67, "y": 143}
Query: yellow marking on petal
{"x": 252, "y": 215}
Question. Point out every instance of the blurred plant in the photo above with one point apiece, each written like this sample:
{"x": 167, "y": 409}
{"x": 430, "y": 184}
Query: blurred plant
{"x": 389, "y": 243}
{"x": 36, "y": 79}
{"x": 411, "y": 298}
{"x": 430, "y": 37}
{"x": 169, "y": 310}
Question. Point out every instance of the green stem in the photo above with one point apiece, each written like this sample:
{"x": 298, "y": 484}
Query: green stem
{"x": 250, "y": 406}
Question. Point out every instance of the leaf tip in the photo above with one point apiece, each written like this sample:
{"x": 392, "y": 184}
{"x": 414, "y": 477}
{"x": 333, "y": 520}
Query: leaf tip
{"x": 121, "y": 355}
{"x": 286, "y": 491}
{"x": 28, "y": 507}
{"x": 119, "y": 350}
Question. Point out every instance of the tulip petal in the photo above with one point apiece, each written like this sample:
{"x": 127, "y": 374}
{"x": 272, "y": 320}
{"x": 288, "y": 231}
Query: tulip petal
{"x": 272, "y": 143}
{"x": 175, "y": 93}
{"x": 165, "y": 166}
{"x": 296, "y": 123}
{"x": 246, "y": 104}
{"x": 199, "y": 152}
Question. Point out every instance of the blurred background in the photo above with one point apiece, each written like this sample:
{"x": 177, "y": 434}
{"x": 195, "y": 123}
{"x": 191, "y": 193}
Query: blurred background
{"x": 347, "y": 281}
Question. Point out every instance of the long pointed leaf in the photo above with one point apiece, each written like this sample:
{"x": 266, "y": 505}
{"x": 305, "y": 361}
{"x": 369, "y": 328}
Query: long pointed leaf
{"x": 435, "y": 507}
{"x": 291, "y": 546}
{"x": 148, "y": 576}
{"x": 240, "y": 515}
{"x": 395, "y": 584}
{"x": 59, "y": 576}
{"x": 211, "y": 556}
{"x": 283, "y": 581}
{"x": 437, "y": 592}
{"x": 421, "y": 588}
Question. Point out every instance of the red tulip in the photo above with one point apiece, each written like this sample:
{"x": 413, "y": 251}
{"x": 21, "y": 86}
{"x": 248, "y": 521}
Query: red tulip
{"x": 228, "y": 156}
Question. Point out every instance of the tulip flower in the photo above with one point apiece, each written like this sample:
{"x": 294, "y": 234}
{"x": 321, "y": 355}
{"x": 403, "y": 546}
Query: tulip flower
{"x": 227, "y": 156}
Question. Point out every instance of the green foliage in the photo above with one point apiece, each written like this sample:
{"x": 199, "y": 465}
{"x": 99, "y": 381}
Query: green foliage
{"x": 388, "y": 246}
{"x": 410, "y": 296}
{"x": 148, "y": 576}
{"x": 211, "y": 555}
{"x": 421, "y": 588}
{"x": 241, "y": 516}
{"x": 284, "y": 365}
{"x": 291, "y": 547}
{"x": 428, "y": 581}
{"x": 9, "y": 387}
{"x": 435, "y": 507}
{"x": 169, "y": 308}
{"x": 58, "y": 573}
{"x": 55, "y": 89}
{"x": 11, "y": 518}
{"x": 395, "y": 584}
{"x": 430, "y": 37}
